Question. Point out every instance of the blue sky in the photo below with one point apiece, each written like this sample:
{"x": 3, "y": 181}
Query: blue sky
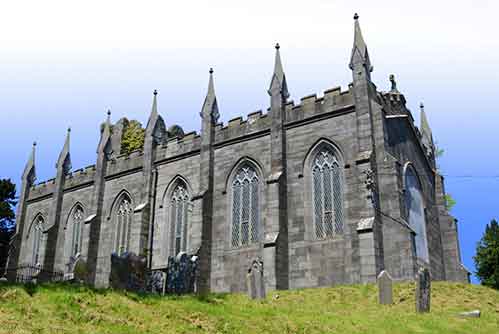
{"x": 64, "y": 64}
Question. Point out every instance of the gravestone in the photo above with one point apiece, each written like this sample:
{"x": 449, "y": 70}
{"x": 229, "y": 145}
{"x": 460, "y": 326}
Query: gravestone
{"x": 80, "y": 271}
{"x": 128, "y": 272}
{"x": 423, "y": 290}
{"x": 470, "y": 314}
{"x": 255, "y": 281}
{"x": 182, "y": 274}
{"x": 156, "y": 282}
{"x": 385, "y": 287}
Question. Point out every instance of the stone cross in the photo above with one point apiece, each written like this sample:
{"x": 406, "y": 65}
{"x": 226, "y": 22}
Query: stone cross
{"x": 385, "y": 288}
{"x": 255, "y": 281}
{"x": 423, "y": 290}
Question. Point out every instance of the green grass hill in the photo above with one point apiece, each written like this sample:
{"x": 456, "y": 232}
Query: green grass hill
{"x": 342, "y": 309}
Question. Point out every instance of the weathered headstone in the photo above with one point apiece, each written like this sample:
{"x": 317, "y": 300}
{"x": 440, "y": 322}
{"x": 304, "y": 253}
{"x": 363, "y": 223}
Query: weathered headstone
{"x": 80, "y": 271}
{"x": 471, "y": 314}
{"x": 156, "y": 282}
{"x": 255, "y": 281}
{"x": 385, "y": 287}
{"x": 423, "y": 290}
{"x": 182, "y": 274}
{"x": 128, "y": 272}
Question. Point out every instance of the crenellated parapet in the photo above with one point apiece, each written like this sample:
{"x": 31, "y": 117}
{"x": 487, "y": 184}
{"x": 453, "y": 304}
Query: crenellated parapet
{"x": 41, "y": 189}
{"x": 124, "y": 163}
{"x": 310, "y": 106}
{"x": 80, "y": 177}
{"x": 177, "y": 147}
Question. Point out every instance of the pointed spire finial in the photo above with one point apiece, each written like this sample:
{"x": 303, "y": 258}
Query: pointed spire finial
{"x": 279, "y": 73}
{"x": 210, "y": 107}
{"x": 69, "y": 129}
{"x": 154, "y": 109}
{"x": 108, "y": 120}
{"x": 211, "y": 85}
{"x": 360, "y": 45}
{"x": 29, "y": 174}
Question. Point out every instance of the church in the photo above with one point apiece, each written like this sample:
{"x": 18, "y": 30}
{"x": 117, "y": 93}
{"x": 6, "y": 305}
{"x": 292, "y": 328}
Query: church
{"x": 328, "y": 190}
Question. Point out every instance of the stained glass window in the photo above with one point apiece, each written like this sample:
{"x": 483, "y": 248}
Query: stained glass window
{"x": 327, "y": 194}
{"x": 77, "y": 225}
{"x": 245, "y": 207}
{"x": 414, "y": 204}
{"x": 124, "y": 215}
{"x": 37, "y": 239}
{"x": 179, "y": 216}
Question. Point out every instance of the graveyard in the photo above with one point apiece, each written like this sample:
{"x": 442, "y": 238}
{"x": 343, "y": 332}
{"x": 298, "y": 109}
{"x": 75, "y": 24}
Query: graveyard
{"x": 71, "y": 308}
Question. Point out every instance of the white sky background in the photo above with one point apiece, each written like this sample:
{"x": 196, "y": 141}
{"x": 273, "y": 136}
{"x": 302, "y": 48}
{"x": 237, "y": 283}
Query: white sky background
{"x": 65, "y": 62}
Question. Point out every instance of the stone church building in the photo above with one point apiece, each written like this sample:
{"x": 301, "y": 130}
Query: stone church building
{"x": 330, "y": 190}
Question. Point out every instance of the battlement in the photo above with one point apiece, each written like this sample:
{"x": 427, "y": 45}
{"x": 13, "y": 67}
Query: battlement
{"x": 79, "y": 177}
{"x": 125, "y": 162}
{"x": 239, "y": 127}
{"x": 42, "y": 189}
{"x": 311, "y": 105}
{"x": 178, "y": 146}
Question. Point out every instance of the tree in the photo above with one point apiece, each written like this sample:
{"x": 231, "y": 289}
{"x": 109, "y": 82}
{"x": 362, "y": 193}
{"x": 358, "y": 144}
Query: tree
{"x": 7, "y": 216}
{"x": 487, "y": 256}
{"x": 449, "y": 201}
{"x": 133, "y": 137}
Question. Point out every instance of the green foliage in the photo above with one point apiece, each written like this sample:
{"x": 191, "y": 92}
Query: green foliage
{"x": 133, "y": 137}
{"x": 7, "y": 202}
{"x": 439, "y": 152}
{"x": 7, "y": 216}
{"x": 487, "y": 256}
{"x": 450, "y": 202}
{"x": 340, "y": 309}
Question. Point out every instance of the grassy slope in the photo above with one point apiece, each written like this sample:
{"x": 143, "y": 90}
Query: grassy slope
{"x": 345, "y": 309}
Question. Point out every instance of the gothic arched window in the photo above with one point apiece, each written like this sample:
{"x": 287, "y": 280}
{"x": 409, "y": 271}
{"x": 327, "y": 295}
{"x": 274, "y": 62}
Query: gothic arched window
{"x": 245, "y": 206}
{"x": 37, "y": 231}
{"x": 327, "y": 190}
{"x": 124, "y": 215}
{"x": 76, "y": 230}
{"x": 415, "y": 212}
{"x": 179, "y": 216}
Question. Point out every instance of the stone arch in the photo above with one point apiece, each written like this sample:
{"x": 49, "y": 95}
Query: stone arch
{"x": 35, "y": 218}
{"x": 172, "y": 184}
{"x": 121, "y": 216}
{"x": 36, "y": 240}
{"x": 321, "y": 142}
{"x": 71, "y": 211}
{"x": 325, "y": 204}
{"x": 245, "y": 159}
{"x": 73, "y": 239}
{"x": 177, "y": 209}
{"x": 253, "y": 235}
{"x": 117, "y": 199}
